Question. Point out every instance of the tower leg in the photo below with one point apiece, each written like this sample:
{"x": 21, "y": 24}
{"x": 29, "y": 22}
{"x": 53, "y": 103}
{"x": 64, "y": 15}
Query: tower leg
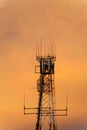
{"x": 38, "y": 124}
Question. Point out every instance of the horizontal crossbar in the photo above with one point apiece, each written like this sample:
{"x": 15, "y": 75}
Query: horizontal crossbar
{"x": 26, "y": 108}
{"x": 45, "y": 114}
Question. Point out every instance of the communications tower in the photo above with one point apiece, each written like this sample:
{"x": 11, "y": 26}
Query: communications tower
{"x": 46, "y": 111}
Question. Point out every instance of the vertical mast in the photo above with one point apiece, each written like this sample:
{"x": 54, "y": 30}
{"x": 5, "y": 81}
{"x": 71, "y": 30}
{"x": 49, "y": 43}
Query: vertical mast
{"x": 45, "y": 88}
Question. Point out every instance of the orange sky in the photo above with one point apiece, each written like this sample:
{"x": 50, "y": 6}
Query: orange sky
{"x": 22, "y": 24}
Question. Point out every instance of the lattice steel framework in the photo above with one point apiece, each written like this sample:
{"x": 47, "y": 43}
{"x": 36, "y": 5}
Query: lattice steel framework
{"x": 46, "y": 111}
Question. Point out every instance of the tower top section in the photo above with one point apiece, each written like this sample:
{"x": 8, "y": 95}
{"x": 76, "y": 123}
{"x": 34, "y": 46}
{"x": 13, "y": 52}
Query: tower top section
{"x": 45, "y": 50}
{"x": 46, "y": 55}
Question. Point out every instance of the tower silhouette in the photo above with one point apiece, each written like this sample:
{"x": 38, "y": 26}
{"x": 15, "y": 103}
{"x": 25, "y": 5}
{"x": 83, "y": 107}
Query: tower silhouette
{"x": 46, "y": 111}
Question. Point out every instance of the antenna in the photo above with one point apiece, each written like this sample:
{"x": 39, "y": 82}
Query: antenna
{"x": 51, "y": 46}
{"x": 45, "y": 49}
{"x": 66, "y": 103}
{"x": 41, "y": 47}
{"x": 36, "y": 49}
{"x": 55, "y": 50}
{"x": 24, "y": 103}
